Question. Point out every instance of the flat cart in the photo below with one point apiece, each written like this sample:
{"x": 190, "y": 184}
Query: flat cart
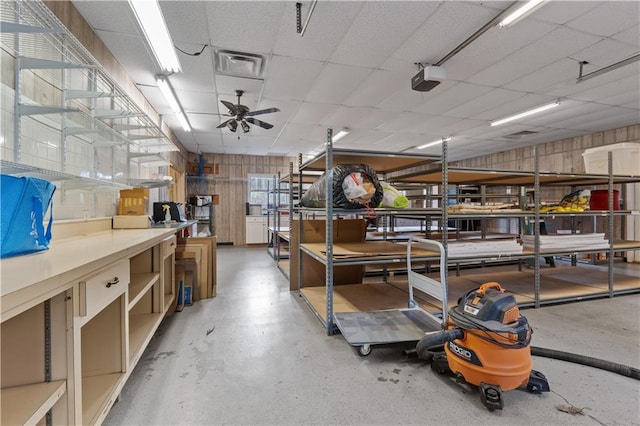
{"x": 364, "y": 329}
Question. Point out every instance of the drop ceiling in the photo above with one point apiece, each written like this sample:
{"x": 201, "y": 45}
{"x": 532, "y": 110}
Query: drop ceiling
{"x": 353, "y": 67}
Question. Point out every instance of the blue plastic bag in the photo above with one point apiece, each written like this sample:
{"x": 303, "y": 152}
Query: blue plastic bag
{"x": 24, "y": 202}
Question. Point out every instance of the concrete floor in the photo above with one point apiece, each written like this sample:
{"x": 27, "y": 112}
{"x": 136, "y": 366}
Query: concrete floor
{"x": 269, "y": 361}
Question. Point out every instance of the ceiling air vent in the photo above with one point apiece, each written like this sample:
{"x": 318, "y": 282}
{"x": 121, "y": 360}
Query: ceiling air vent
{"x": 520, "y": 135}
{"x": 239, "y": 64}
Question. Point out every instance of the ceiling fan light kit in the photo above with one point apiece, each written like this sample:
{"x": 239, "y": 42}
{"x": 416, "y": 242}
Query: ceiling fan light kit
{"x": 154, "y": 28}
{"x": 242, "y": 115}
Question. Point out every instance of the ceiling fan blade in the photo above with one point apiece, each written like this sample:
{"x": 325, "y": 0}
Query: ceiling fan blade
{"x": 231, "y": 107}
{"x": 223, "y": 124}
{"x": 259, "y": 123}
{"x": 262, "y": 111}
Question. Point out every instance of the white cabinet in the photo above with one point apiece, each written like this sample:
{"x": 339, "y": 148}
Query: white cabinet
{"x": 256, "y": 230}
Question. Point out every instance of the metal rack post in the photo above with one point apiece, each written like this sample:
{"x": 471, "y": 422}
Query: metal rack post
{"x": 329, "y": 232}
{"x": 536, "y": 225}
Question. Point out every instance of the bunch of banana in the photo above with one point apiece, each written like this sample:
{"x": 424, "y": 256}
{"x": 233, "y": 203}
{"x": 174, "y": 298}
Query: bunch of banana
{"x": 557, "y": 208}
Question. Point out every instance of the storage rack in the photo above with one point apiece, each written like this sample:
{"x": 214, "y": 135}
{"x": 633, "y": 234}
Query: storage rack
{"x": 444, "y": 175}
{"x": 458, "y": 175}
{"x": 281, "y": 233}
{"x": 383, "y": 163}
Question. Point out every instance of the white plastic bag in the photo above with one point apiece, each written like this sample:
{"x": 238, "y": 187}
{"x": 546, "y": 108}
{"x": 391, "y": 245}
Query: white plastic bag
{"x": 353, "y": 186}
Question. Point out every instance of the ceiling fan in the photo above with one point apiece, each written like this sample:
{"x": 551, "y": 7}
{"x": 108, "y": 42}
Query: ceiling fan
{"x": 242, "y": 115}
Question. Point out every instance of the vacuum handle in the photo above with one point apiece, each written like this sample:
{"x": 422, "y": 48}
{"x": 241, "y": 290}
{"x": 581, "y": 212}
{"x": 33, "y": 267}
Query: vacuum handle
{"x": 486, "y": 286}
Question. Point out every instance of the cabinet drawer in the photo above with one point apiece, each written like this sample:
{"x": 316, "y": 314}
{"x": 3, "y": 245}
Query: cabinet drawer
{"x": 256, "y": 219}
{"x": 168, "y": 246}
{"x": 102, "y": 288}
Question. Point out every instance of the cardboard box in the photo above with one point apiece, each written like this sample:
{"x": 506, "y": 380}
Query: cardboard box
{"x": 131, "y": 222}
{"x": 207, "y": 169}
{"x": 205, "y": 248}
{"x": 133, "y": 201}
{"x": 313, "y": 272}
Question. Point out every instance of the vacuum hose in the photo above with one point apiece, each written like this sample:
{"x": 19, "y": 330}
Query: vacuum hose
{"x": 437, "y": 338}
{"x": 602, "y": 364}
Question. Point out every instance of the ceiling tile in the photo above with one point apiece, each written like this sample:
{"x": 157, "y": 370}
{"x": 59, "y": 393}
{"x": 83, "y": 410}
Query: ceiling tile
{"x": 186, "y": 37}
{"x": 290, "y": 78}
{"x": 628, "y": 99}
{"x": 197, "y": 102}
{"x": 345, "y": 116}
{"x": 99, "y": 14}
{"x": 246, "y": 26}
{"x": 408, "y": 99}
{"x": 608, "y": 18}
{"x": 227, "y": 85}
{"x": 622, "y": 86}
{"x": 336, "y": 82}
{"x": 196, "y": 73}
{"x": 377, "y": 87}
{"x": 561, "y": 73}
{"x": 560, "y": 12}
{"x": 483, "y": 102}
{"x": 494, "y": 45}
{"x": 310, "y": 113}
{"x": 401, "y": 121}
{"x": 380, "y": 29}
{"x": 454, "y": 95}
{"x": 432, "y": 125}
{"x": 556, "y": 45}
{"x": 604, "y": 53}
{"x": 141, "y": 66}
{"x": 327, "y": 26}
{"x": 630, "y": 36}
{"x": 569, "y": 88}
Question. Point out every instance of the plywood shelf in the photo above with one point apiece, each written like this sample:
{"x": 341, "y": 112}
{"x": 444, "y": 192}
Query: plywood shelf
{"x": 168, "y": 300}
{"x": 98, "y": 395}
{"x": 141, "y": 329}
{"x": 139, "y": 284}
{"x": 29, "y": 403}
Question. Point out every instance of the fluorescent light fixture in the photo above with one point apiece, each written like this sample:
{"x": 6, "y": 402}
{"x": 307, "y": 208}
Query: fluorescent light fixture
{"x": 155, "y": 30}
{"x": 519, "y": 12}
{"x": 341, "y": 134}
{"x": 172, "y": 100}
{"x": 183, "y": 121}
{"x": 439, "y": 141}
{"x": 525, "y": 113}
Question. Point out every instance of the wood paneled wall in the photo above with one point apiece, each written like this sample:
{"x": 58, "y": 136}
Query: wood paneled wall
{"x": 231, "y": 186}
{"x": 564, "y": 155}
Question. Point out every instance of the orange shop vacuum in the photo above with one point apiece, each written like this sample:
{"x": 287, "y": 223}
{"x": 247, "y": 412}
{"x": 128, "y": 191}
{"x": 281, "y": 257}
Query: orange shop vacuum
{"x": 486, "y": 344}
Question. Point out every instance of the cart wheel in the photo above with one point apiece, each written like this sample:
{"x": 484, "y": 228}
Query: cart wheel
{"x": 364, "y": 350}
